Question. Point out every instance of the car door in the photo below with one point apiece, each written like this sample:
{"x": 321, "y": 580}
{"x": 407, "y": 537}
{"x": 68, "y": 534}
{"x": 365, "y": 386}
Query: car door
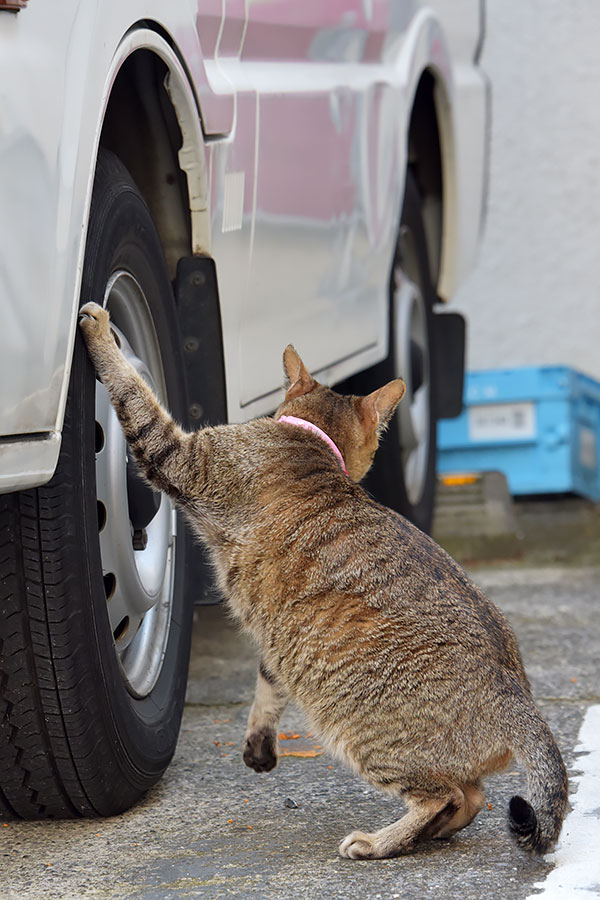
{"x": 220, "y": 28}
{"x": 320, "y": 87}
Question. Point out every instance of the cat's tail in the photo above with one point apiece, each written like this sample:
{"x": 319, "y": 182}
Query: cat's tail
{"x": 536, "y": 822}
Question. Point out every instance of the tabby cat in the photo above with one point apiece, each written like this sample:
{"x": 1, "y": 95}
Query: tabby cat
{"x": 403, "y": 667}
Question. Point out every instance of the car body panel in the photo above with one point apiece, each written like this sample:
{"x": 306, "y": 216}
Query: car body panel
{"x": 261, "y": 90}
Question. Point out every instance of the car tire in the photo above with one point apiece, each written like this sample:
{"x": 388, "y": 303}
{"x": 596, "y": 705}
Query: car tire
{"x": 91, "y": 707}
{"x": 403, "y": 475}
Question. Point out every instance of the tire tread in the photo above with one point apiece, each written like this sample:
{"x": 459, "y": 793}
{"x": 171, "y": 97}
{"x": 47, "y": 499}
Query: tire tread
{"x": 31, "y": 786}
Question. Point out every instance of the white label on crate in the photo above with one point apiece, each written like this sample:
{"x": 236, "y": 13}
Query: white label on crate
{"x": 587, "y": 448}
{"x": 502, "y": 422}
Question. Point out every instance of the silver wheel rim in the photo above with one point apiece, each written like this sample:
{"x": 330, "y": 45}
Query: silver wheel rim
{"x": 412, "y": 353}
{"x": 138, "y": 582}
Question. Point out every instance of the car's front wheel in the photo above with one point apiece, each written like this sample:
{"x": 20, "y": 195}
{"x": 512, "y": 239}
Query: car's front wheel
{"x": 94, "y": 624}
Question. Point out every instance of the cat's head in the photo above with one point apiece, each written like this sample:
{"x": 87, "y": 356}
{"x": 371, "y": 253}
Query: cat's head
{"x": 355, "y": 424}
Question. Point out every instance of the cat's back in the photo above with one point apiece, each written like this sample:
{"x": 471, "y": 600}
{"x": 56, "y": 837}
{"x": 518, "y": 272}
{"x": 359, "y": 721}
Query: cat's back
{"x": 324, "y": 538}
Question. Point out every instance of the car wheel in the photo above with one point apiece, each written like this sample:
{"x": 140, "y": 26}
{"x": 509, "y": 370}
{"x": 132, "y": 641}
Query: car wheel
{"x": 403, "y": 474}
{"x": 95, "y": 628}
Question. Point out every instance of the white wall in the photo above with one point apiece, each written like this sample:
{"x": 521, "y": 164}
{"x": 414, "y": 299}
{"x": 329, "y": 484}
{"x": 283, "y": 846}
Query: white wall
{"x": 534, "y": 296}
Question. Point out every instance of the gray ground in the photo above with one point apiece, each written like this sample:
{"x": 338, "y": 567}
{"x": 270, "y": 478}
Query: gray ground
{"x": 213, "y": 828}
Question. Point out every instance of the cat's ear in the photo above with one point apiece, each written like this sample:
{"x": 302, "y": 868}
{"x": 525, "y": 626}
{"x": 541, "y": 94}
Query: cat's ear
{"x": 378, "y": 408}
{"x": 298, "y": 379}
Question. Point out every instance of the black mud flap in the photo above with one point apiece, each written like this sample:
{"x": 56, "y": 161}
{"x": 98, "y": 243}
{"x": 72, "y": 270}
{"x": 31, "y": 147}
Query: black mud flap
{"x": 199, "y": 312}
{"x": 449, "y": 336}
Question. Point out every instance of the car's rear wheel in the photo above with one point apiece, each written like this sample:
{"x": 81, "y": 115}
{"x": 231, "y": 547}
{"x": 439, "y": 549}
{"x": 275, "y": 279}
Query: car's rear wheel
{"x": 94, "y": 627}
{"x": 403, "y": 474}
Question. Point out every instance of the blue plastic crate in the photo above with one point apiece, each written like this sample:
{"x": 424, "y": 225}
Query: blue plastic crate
{"x": 539, "y": 426}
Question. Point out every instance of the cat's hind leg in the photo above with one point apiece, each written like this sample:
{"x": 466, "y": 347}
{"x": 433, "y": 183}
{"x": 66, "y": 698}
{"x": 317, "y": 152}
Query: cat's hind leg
{"x": 426, "y": 818}
{"x": 474, "y": 800}
{"x": 260, "y": 741}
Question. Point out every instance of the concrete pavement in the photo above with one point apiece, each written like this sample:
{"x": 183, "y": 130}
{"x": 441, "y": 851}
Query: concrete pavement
{"x": 215, "y": 829}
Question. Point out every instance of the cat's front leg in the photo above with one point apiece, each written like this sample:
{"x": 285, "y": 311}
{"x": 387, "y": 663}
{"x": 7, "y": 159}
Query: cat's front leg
{"x": 161, "y": 448}
{"x": 260, "y": 742}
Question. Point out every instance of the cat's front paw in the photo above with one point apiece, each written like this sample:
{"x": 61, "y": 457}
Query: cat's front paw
{"x": 358, "y": 845}
{"x": 260, "y": 750}
{"x": 93, "y": 316}
{"x": 94, "y": 321}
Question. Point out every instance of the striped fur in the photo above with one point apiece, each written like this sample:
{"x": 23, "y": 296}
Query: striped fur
{"x": 409, "y": 674}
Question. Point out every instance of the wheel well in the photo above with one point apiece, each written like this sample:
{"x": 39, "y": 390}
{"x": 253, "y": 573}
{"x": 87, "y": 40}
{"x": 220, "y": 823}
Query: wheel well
{"x": 425, "y": 159}
{"x": 141, "y": 128}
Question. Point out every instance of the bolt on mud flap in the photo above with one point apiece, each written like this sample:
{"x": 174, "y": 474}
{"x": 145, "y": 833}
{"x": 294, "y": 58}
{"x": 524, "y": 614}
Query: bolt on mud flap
{"x": 199, "y": 314}
{"x": 449, "y": 337}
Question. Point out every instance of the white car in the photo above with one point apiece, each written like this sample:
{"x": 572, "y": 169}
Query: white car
{"x": 226, "y": 178}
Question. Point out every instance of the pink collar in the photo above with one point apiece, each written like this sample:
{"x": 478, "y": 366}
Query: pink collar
{"x": 308, "y": 426}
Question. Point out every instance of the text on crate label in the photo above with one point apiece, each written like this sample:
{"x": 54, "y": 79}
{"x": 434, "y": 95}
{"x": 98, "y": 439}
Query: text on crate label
{"x": 502, "y": 422}
{"x": 588, "y": 453}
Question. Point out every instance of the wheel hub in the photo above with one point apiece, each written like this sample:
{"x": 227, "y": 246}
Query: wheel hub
{"x": 143, "y": 501}
{"x": 417, "y": 366}
{"x": 138, "y": 526}
{"x": 411, "y": 344}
